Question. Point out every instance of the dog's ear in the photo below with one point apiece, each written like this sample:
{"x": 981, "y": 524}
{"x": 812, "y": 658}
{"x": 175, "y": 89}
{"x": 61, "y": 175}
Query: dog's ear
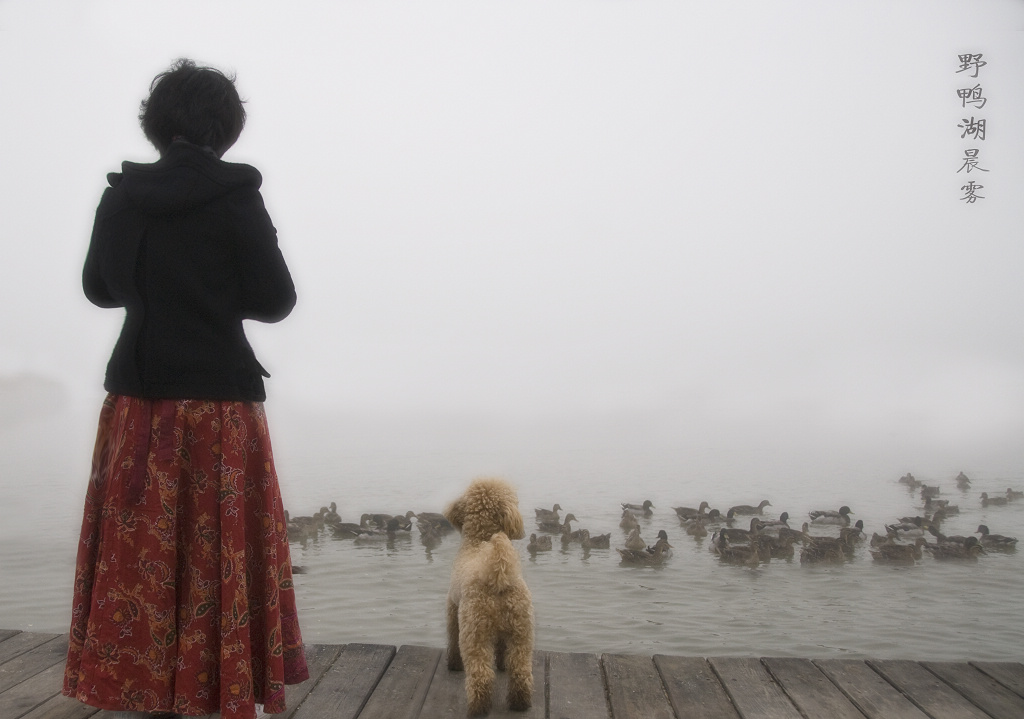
{"x": 456, "y": 513}
{"x": 512, "y": 521}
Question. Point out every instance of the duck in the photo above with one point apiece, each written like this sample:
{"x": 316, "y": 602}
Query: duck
{"x": 629, "y": 521}
{"x": 662, "y": 540}
{"x": 828, "y": 516}
{"x": 538, "y": 544}
{"x": 350, "y": 530}
{"x": 962, "y": 481}
{"x": 689, "y": 513}
{"x": 330, "y": 514}
{"x": 929, "y": 491}
{"x": 818, "y": 552}
{"x": 570, "y": 535}
{"x": 914, "y": 528}
{"x": 556, "y": 527}
{"x": 438, "y": 521}
{"x": 601, "y": 541}
{"x": 635, "y": 541}
{"x": 750, "y": 509}
{"x": 792, "y": 535}
{"x": 1012, "y": 494}
{"x": 731, "y": 534}
{"x": 772, "y": 525}
{"x": 995, "y": 541}
{"x": 851, "y": 535}
{"x": 548, "y": 515}
{"x": 644, "y": 509}
{"x": 748, "y": 554}
{"x": 879, "y": 539}
{"x": 697, "y": 529}
{"x": 943, "y": 539}
{"x": 969, "y": 549}
{"x": 643, "y": 557}
{"x": 894, "y": 553}
{"x": 995, "y": 501}
{"x": 909, "y": 480}
{"x": 774, "y": 547}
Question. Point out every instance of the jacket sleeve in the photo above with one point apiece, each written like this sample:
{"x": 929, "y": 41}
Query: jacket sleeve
{"x": 268, "y": 293}
{"x": 95, "y": 287}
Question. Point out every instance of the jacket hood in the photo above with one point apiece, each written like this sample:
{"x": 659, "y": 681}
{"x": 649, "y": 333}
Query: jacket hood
{"x": 185, "y": 178}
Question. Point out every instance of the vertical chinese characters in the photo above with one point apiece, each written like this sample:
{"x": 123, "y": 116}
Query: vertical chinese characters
{"x": 972, "y": 128}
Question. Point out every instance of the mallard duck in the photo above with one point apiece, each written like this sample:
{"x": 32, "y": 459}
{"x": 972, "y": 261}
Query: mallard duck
{"x": 749, "y": 554}
{"x": 880, "y": 539}
{"x": 914, "y": 528}
{"x": 558, "y": 527}
{"x": 383, "y": 521}
{"x": 962, "y": 481}
{"x": 570, "y": 535}
{"x": 829, "y": 516}
{"x": 927, "y": 491}
{"x": 750, "y": 509}
{"x": 601, "y": 541}
{"x": 943, "y": 539}
{"x": 538, "y": 544}
{"x": 330, "y": 514}
{"x": 641, "y": 556}
{"x": 995, "y": 541}
{"x": 782, "y": 521}
{"x": 438, "y": 521}
{"x": 697, "y": 529}
{"x": 819, "y": 552}
{"x": 995, "y": 501}
{"x": 548, "y": 515}
{"x": 351, "y": 530}
{"x": 689, "y": 513}
{"x": 662, "y": 539}
{"x": 909, "y": 480}
{"x": 629, "y": 521}
{"x": 1012, "y": 494}
{"x": 792, "y": 535}
{"x": 851, "y": 535}
{"x": 894, "y": 553}
{"x": 635, "y": 541}
{"x": 732, "y": 534}
{"x": 969, "y": 549}
{"x": 644, "y": 509}
{"x": 774, "y": 547}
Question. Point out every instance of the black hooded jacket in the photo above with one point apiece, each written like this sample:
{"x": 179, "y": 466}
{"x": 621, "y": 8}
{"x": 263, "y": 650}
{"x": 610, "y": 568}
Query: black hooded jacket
{"x": 186, "y": 246}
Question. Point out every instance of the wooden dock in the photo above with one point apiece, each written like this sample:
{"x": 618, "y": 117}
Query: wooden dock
{"x": 371, "y": 681}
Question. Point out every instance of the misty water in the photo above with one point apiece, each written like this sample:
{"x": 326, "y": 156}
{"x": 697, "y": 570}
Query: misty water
{"x": 393, "y": 591}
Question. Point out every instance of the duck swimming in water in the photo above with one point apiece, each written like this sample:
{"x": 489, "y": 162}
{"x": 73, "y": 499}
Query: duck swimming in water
{"x": 750, "y": 509}
{"x": 644, "y": 509}
{"x": 828, "y": 516}
{"x": 995, "y": 541}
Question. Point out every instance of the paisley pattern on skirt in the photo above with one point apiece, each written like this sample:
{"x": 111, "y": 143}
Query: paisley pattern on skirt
{"x": 183, "y": 597}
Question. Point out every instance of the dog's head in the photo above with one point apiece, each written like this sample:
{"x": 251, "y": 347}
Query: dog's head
{"x": 489, "y": 505}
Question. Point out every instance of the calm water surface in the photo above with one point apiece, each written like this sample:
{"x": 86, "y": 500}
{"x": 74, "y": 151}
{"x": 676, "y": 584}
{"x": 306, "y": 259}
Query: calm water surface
{"x": 393, "y": 591}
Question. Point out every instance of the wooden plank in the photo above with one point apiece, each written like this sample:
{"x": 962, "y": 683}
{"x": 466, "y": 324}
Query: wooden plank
{"x": 931, "y": 694}
{"x": 979, "y": 688}
{"x": 499, "y": 705}
{"x": 318, "y": 658}
{"x": 635, "y": 690}
{"x": 810, "y": 690}
{"x": 346, "y": 685}
{"x": 32, "y": 662}
{"x": 446, "y": 696}
{"x": 402, "y": 689}
{"x": 1009, "y": 674}
{"x": 873, "y": 695}
{"x": 33, "y": 691}
{"x": 576, "y": 687}
{"x": 23, "y": 642}
{"x": 61, "y": 707}
{"x": 694, "y": 689}
{"x": 8, "y": 633}
{"x": 753, "y": 691}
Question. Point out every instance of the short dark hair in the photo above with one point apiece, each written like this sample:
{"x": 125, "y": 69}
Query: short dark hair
{"x": 198, "y": 104}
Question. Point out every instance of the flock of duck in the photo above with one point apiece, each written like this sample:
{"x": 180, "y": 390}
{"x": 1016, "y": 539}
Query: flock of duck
{"x": 827, "y": 536}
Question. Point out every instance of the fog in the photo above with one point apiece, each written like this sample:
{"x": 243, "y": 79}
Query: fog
{"x": 714, "y": 225}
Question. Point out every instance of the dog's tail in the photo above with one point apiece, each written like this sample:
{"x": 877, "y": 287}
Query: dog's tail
{"x": 503, "y": 571}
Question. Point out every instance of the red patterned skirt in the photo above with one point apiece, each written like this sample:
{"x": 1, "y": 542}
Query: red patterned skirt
{"x": 183, "y": 597}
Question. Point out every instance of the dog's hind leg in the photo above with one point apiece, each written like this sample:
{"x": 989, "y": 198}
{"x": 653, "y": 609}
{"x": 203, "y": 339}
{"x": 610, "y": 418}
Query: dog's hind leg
{"x": 454, "y": 656}
{"x": 478, "y": 655}
{"x": 519, "y": 661}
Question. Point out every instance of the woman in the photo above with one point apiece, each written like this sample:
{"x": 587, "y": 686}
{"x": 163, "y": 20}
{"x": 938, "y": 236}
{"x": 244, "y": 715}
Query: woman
{"x": 183, "y": 599}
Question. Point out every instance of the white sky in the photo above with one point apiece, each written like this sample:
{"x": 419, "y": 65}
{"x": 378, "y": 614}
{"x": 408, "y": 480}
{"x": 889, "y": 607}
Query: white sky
{"x": 721, "y": 212}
